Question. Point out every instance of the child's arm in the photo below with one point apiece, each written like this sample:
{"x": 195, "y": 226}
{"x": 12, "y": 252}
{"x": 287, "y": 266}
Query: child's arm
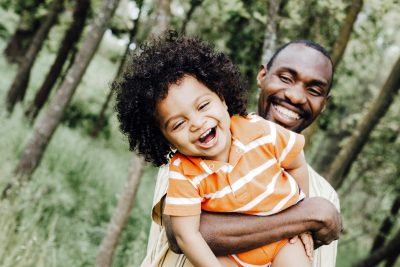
{"x": 191, "y": 242}
{"x": 298, "y": 169}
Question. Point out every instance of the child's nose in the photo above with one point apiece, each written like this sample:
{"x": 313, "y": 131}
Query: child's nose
{"x": 196, "y": 123}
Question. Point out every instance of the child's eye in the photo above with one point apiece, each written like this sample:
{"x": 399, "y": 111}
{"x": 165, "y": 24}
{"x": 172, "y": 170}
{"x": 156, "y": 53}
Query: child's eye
{"x": 202, "y": 106}
{"x": 177, "y": 125}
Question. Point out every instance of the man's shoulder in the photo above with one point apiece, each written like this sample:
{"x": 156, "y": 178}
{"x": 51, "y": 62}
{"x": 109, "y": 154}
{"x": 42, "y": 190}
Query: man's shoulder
{"x": 320, "y": 187}
{"x": 159, "y": 192}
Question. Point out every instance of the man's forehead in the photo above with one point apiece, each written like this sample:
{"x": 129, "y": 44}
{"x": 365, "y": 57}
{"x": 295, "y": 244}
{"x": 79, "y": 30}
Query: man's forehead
{"x": 305, "y": 60}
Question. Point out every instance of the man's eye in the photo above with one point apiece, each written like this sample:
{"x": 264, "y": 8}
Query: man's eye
{"x": 285, "y": 79}
{"x": 202, "y": 106}
{"x": 314, "y": 92}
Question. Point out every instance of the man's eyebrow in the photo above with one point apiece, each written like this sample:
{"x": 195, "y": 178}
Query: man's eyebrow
{"x": 317, "y": 82}
{"x": 288, "y": 69}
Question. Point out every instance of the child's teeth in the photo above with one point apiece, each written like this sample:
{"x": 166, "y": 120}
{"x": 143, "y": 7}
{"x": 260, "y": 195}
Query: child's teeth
{"x": 205, "y": 134}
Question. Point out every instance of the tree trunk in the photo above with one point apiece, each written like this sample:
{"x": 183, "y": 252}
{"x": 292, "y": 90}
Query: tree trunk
{"x": 44, "y": 129}
{"x": 391, "y": 261}
{"x": 99, "y": 124}
{"x": 17, "y": 45}
{"x": 343, "y": 161}
{"x": 121, "y": 214}
{"x": 162, "y": 17}
{"x": 337, "y": 52}
{"x": 345, "y": 31}
{"x": 390, "y": 250}
{"x": 193, "y": 5}
{"x": 70, "y": 40}
{"x": 18, "y": 88}
{"x": 386, "y": 226}
{"x": 271, "y": 32}
{"x": 28, "y": 23}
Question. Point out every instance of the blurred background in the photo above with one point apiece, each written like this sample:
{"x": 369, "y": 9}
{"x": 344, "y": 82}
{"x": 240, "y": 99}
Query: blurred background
{"x": 64, "y": 165}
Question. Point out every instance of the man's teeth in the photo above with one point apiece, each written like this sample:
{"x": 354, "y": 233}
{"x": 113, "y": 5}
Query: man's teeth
{"x": 287, "y": 113}
{"x": 206, "y": 133}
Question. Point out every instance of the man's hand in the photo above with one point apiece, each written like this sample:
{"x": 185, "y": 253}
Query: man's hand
{"x": 330, "y": 221}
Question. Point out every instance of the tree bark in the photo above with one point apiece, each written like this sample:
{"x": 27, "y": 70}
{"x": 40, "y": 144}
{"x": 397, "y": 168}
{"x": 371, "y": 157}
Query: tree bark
{"x": 388, "y": 251}
{"x": 343, "y": 161}
{"x": 162, "y": 17}
{"x": 271, "y": 31}
{"x": 194, "y": 4}
{"x": 386, "y": 225}
{"x": 345, "y": 31}
{"x": 121, "y": 214}
{"x": 70, "y": 40}
{"x": 28, "y": 24}
{"x": 17, "y": 45}
{"x": 18, "y": 88}
{"x": 46, "y": 126}
{"x": 391, "y": 261}
{"x": 99, "y": 124}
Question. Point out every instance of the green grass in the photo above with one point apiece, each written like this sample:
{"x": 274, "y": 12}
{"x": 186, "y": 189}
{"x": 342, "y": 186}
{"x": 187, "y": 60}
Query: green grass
{"x": 59, "y": 217}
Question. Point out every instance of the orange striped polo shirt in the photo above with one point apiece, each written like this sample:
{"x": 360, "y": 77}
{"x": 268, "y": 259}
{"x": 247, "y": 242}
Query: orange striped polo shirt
{"x": 253, "y": 181}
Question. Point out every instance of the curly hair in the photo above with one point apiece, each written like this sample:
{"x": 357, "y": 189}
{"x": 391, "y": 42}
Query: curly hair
{"x": 145, "y": 81}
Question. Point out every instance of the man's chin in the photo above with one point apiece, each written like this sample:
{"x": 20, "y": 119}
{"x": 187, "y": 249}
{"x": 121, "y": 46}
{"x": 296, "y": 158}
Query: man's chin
{"x": 293, "y": 125}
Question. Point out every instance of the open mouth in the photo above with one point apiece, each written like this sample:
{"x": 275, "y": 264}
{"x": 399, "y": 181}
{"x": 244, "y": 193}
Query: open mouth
{"x": 207, "y": 137}
{"x": 286, "y": 113}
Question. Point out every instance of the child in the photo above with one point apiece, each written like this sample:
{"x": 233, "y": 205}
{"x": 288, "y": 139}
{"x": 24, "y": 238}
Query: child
{"x": 179, "y": 98}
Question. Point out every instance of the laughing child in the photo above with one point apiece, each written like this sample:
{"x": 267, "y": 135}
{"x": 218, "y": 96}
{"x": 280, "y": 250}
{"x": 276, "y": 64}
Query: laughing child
{"x": 181, "y": 102}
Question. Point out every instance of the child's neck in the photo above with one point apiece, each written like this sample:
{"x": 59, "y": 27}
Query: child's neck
{"x": 224, "y": 156}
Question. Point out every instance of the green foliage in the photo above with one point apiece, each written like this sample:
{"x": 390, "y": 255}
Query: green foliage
{"x": 60, "y": 216}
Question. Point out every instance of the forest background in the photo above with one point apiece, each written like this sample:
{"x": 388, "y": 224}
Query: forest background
{"x": 66, "y": 175}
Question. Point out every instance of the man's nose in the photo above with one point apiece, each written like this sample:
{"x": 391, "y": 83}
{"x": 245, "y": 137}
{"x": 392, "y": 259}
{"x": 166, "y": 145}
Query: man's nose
{"x": 296, "y": 94}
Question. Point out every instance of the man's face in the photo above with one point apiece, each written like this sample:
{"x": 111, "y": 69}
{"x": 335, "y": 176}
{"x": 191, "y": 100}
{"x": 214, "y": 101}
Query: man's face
{"x": 295, "y": 89}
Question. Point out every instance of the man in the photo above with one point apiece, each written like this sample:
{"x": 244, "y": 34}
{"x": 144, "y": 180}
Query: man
{"x": 295, "y": 86}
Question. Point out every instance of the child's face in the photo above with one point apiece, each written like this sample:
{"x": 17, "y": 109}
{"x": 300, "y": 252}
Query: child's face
{"x": 195, "y": 120}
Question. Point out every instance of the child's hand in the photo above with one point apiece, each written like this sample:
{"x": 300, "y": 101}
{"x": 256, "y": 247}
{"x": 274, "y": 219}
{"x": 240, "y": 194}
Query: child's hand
{"x": 307, "y": 240}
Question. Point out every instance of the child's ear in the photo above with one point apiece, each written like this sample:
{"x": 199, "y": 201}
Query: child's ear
{"x": 224, "y": 103}
{"x": 172, "y": 147}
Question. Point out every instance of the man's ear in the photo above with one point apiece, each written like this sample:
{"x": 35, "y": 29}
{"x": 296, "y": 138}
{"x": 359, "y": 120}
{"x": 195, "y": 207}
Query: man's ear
{"x": 262, "y": 72}
{"x": 327, "y": 100}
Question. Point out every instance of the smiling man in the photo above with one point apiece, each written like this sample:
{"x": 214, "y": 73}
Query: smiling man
{"x": 294, "y": 85}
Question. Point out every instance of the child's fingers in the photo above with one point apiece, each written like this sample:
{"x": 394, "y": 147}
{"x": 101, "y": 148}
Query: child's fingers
{"x": 307, "y": 240}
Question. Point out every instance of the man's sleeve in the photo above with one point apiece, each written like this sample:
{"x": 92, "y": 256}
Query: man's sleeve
{"x": 159, "y": 193}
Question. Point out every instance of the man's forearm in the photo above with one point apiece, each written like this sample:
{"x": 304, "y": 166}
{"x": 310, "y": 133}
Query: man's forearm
{"x": 234, "y": 233}
{"x": 231, "y": 234}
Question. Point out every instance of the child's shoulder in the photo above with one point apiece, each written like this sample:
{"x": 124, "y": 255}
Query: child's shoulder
{"x": 251, "y": 120}
{"x": 188, "y": 166}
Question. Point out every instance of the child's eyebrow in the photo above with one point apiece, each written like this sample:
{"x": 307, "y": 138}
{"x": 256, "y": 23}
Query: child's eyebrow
{"x": 169, "y": 120}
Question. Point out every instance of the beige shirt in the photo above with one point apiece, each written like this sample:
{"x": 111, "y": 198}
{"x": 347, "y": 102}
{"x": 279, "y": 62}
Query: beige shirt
{"x": 158, "y": 253}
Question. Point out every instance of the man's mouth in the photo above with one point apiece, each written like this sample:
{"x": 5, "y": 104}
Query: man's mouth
{"x": 289, "y": 114}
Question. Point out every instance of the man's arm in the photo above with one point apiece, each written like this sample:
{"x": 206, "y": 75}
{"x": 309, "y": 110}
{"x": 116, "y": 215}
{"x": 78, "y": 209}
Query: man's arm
{"x": 234, "y": 233}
